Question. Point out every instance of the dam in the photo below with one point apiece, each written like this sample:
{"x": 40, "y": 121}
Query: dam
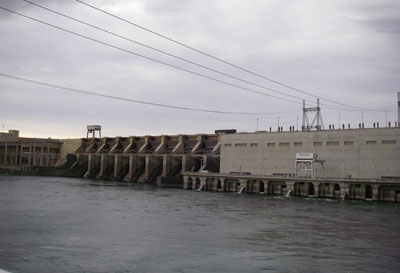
{"x": 148, "y": 159}
{"x": 355, "y": 164}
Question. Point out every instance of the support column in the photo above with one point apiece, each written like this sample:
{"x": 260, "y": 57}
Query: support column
{"x": 33, "y": 154}
{"x": 162, "y": 147}
{"x": 316, "y": 189}
{"x": 103, "y": 146}
{"x": 202, "y": 183}
{"x": 41, "y": 156}
{"x": 30, "y": 154}
{"x": 331, "y": 190}
{"x": 121, "y": 167}
{"x": 171, "y": 165}
{"x": 116, "y": 146}
{"x": 375, "y": 192}
{"x": 48, "y": 157}
{"x": 130, "y": 146}
{"x": 16, "y": 154}
{"x": 80, "y": 166}
{"x": 222, "y": 184}
{"x": 153, "y": 166}
{"x": 117, "y": 165}
{"x": 362, "y": 194}
{"x": 136, "y": 167}
{"x": 199, "y": 145}
{"x": 180, "y": 147}
{"x": 243, "y": 185}
{"x": 185, "y": 182}
{"x": 344, "y": 191}
{"x": 20, "y": 154}
{"x": 290, "y": 188}
{"x": 146, "y": 145}
{"x": 322, "y": 192}
{"x": 93, "y": 166}
{"x": 5, "y": 154}
{"x": 106, "y": 166}
{"x": 189, "y": 163}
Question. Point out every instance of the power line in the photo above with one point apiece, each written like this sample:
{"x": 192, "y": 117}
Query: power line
{"x": 79, "y": 91}
{"x": 164, "y": 63}
{"x": 171, "y": 55}
{"x": 149, "y": 58}
{"x": 213, "y": 57}
{"x": 160, "y": 51}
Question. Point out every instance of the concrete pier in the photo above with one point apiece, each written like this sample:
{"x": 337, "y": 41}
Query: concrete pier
{"x": 94, "y": 165}
{"x": 346, "y": 189}
{"x": 106, "y": 166}
{"x": 135, "y": 169}
{"x": 121, "y": 166}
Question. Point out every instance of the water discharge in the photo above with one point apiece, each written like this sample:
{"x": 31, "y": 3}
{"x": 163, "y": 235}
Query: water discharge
{"x": 80, "y": 225}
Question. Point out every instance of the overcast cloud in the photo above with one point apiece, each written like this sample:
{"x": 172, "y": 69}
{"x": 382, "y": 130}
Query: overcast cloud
{"x": 347, "y": 51}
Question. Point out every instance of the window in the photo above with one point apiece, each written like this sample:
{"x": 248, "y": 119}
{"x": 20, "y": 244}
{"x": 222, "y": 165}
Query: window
{"x": 228, "y": 145}
{"x": 332, "y": 143}
{"x": 284, "y": 144}
{"x": 298, "y": 144}
{"x": 388, "y": 141}
{"x": 318, "y": 143}
{"x": 241, "y": 145}
{"x": 348, "y": 143}
{"x": 254, "y": 145}
{"x": 271, "y": 144}
{"x": 371, "y": 142}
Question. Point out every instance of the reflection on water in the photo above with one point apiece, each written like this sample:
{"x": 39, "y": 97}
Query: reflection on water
{"x": 77, "y": 225}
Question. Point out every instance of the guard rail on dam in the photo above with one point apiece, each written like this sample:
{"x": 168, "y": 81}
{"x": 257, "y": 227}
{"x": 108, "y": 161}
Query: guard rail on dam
{"x": 151, "y": 159}
{"x": 384, "y": 189}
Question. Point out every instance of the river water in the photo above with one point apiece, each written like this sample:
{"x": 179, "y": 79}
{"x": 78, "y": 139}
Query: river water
{"x": 52, "y": 224}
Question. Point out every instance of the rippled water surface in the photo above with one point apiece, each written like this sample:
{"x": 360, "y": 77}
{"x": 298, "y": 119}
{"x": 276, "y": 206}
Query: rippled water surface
{"x": 78, "y": 225}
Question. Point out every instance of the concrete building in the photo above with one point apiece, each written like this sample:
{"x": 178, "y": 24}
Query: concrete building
{"x": 19, "y": 153}
{"x": 354, "y": 153}
{"x": 362, "y": 164}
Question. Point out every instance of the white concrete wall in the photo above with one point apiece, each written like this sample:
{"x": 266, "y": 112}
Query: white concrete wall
{"x": 69, "y": 146}
{"x": 366, "y": 153}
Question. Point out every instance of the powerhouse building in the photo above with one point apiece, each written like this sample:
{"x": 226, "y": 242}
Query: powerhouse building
{"x": 354, "y": 153}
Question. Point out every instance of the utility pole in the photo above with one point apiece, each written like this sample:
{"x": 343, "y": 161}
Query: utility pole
{"x": 398, "y": 108}
{"x": 303, "y": 128}
{"x": 386, "y": 119}
{"x": 339, "y": 122}
{"x": 257, "y": 125}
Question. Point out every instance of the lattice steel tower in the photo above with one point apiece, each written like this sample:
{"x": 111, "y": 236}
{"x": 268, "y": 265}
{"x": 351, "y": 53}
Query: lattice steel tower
{"x": 316, "y": 123}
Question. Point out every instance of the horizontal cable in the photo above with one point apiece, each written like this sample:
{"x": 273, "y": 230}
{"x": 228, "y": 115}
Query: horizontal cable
{"x": 69, "y": 89}
{"x": 149, "y": 58}
{"x": 213, "y": 57}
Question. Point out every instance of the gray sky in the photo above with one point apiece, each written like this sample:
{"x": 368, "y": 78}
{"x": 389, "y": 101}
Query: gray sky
{"x": 346, "y": 51}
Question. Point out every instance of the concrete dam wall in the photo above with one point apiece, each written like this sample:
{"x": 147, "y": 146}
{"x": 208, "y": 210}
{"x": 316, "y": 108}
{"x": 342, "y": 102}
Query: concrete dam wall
{"x": 149, "y": 159}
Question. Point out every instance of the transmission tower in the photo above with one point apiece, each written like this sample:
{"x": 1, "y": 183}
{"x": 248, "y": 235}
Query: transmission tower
{"x": 316, "y": 123}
